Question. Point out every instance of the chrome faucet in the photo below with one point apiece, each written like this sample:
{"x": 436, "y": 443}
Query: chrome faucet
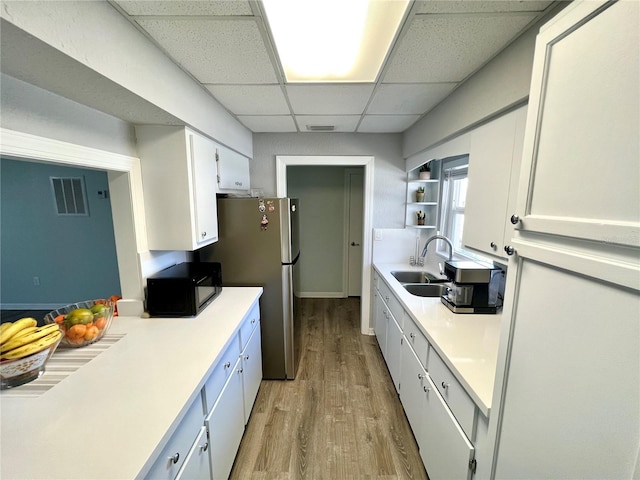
{"x": 438, "y": 237}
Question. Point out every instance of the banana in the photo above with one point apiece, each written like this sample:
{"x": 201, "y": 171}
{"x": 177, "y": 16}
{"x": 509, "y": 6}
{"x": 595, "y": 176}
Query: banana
{"x": 33, "y": 347}
{"x": 15, "y": 327}
{"x": 4, "y": 326}
{"x": 20, "y": 339}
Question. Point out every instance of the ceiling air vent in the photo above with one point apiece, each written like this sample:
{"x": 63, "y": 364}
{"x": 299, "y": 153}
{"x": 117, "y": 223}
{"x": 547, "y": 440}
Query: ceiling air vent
{"x": 321, "y": 128}
{"x": 69, "y": 195}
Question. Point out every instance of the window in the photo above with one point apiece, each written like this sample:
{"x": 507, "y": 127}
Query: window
{"x": 454, "y": 194}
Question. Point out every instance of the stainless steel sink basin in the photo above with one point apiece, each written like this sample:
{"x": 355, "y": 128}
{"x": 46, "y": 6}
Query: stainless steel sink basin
{"x": 426, "y": 289}
{"x": 410, "y": 276}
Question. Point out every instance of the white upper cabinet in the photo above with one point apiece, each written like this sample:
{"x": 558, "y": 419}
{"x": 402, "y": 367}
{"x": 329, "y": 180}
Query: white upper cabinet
{"x": 494, "y": 167}
{"x": 179, "y": 187}
{"x": 233, "y": 171}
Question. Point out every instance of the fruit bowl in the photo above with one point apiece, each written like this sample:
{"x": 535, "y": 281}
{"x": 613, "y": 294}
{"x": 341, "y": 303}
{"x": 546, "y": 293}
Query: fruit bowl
{"x": 83, "y": 323}
{"x": 27, "y": 362}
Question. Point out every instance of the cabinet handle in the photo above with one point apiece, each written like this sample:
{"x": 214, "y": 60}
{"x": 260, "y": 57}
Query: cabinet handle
{"x": 426, "y": 389}
{"x": 227, "y": 365}
{"x": 493, "y": 245}
{"x": 204, "y": 447}
{"x": 445, "y": 385}
{"x": 204, "y": 234}
{"x": 515, "y": 219}
{"x": 253, "y": 320}
{"x": 412, "y": 336}
{"x": 386, "y": 298}
{"x": 246, "y": 357}
{"x": 240, "y": 370}
{"x": 420, "y": 376}
{"x": 509, "y": 249}
{"x": 174, "y": 459}
{"x": 354, "y": 244}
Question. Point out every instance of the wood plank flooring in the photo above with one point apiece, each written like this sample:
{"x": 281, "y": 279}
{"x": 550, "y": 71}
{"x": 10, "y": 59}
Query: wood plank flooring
{"x": 339, "y": 419}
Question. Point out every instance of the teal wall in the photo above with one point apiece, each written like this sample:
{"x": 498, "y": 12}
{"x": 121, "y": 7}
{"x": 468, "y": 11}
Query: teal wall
{"x": 73, "y": 256}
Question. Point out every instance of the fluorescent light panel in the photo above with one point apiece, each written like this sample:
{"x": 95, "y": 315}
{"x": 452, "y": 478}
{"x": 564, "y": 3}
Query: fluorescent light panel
{"x": 333, "y": 40}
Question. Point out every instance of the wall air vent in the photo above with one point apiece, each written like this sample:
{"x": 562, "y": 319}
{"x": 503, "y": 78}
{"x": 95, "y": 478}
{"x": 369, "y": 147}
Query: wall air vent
{"x": 321, "y": 128}
{"x": 69, "y": 195}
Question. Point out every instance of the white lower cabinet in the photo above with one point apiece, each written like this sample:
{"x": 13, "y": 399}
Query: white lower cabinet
{"x": 429, "y": 393}
{"x": 217, "y": 417}
{"x": 196, "y": 466}
{"x": 394, "y": 344}
{"x": 225, "y": 424}
{"x": 380, "y": 322}
{"x": 445, "y": 450}
{"x": 251, "y": 371}
{"x": 412, "y": 391}
{"x": 173, "y": 455}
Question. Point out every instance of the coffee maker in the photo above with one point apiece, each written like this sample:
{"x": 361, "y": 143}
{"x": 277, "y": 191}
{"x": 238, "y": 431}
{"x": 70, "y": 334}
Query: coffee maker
{"x": 473, "y": 287}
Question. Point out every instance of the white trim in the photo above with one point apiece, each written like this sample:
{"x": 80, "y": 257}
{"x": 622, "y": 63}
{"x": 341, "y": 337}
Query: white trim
{"x": 125, "y": 188}
{"x": 283, "y": 161}
{"x": 322, "y": 295}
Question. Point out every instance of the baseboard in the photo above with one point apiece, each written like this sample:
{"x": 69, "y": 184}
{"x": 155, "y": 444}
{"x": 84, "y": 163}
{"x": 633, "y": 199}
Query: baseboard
{"x": 322, "y": 295}
{"x": 31, "y": 306}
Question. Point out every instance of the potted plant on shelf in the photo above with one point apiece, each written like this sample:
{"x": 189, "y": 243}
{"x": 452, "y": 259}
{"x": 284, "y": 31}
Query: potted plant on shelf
{"x": 425, "y": 172}
{"x": 420, "y": 194}
{"x": 420, "y": 215}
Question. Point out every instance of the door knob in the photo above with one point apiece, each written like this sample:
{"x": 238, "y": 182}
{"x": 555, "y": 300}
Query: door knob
{"x": 354, "y": 244}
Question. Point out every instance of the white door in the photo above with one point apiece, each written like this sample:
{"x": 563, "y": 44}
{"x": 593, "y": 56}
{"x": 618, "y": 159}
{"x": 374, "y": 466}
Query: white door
{"x": 572, "y": 379}
{"x": 355, "y": 182}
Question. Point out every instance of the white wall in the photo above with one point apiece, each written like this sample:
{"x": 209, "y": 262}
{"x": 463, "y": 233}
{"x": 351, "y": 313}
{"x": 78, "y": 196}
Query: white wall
{"x": 105, "y": 48}
{"x": 389, "y": 183}
{"x": 30, "y": 109}
{"x": 499, "y": 85}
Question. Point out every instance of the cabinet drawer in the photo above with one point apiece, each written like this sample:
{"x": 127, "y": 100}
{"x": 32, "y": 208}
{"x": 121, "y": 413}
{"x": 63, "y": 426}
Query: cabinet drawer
{"x": 222, "y": 370}
{"x": 250, "y": 322}
{"x": 456, "y": 397}
{"x": 392, "y": 302}
{"x": 417, "y": 340}
{"x": 175, "y": 452}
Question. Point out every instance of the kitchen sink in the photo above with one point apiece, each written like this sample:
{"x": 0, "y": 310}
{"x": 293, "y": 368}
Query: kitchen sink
{"x": 412, "y": 276}
{"x": 426, "y": 289}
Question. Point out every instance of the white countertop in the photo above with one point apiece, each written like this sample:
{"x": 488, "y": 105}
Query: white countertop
{"x": 110, "y": 418}
{"x": 468, "y": 344}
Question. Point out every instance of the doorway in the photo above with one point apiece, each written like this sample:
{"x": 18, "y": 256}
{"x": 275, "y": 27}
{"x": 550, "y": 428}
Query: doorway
{"x": 366, "y": 162}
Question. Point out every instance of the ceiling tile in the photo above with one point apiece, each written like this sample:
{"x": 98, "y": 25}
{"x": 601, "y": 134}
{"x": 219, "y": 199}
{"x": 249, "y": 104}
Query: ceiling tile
{"x": 386, "y": 123}
{"x": 448, "y": 48}
{"x": 251, "y": 99}
{"x": 342, "y": 123}
{"x": 193, "y": 7}
{"x": 268, "y": 123}
{"x": 408, "y": 98}
{"x": 214, "y": 51}
{"x": 481, "y": 6}
{"x": 329, "y": 99}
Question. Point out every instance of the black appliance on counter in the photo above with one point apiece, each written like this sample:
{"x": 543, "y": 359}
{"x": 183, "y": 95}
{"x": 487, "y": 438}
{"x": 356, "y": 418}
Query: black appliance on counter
{"x": 474, "y": 287}
{"x": 183, "y": 290}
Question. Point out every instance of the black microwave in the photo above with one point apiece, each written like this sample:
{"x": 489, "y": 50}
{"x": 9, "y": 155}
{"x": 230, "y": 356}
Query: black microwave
{"x": 183, "y": 290}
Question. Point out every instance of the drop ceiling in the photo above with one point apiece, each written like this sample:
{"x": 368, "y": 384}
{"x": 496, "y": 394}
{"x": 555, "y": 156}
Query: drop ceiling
{"x": 227, "y": 47}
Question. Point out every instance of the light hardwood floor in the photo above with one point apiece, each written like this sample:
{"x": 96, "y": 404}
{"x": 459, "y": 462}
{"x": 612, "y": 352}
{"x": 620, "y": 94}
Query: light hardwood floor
{"x": 339, "y": 419}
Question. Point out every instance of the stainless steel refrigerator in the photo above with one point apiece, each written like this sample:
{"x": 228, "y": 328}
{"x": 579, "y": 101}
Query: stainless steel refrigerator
{"x": 259, "y": 246}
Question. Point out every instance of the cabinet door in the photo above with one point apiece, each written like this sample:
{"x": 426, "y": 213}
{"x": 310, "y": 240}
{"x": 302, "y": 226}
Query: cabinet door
{"x": 251, "y": 371}
{"x": 203, "y": 168}
{"x": 394, "y": 344}
{"x": 196, "y": 465}
{"x": 412, "y": 394}
{"x": 580, "y": 165}
{"x": 225, "y": 425}
{"x": 446, "y": 451}
{"x": 380, "y": 322}
{"x": 233, "y": 171}
{"x": 490, "y": 164}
